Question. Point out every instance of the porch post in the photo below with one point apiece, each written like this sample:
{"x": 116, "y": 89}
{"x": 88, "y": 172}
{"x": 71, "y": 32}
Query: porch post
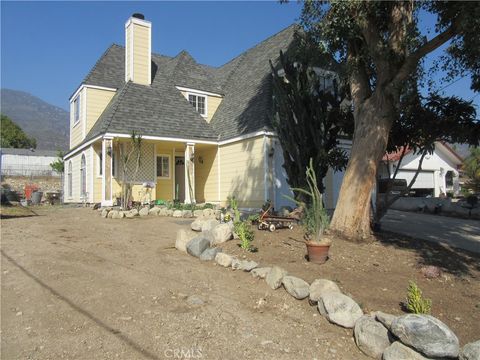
{"x": 190, "y": 173}
{"x": 107, "y": 148}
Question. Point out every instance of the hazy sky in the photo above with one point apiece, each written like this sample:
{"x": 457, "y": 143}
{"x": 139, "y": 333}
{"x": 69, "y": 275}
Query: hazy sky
{"x": 47, "y": 48}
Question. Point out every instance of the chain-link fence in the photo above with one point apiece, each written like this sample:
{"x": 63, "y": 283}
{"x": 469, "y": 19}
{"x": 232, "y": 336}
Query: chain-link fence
{"x": 28, "y": 170}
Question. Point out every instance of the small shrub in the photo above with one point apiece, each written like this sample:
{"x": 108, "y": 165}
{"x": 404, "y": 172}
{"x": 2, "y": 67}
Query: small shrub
{"x": 415, "y": 301}
{"x": 246, "y": 235}
{"x": 208, "y": 206}
{"x": 234, "y": 206}
{"x": 252, "y": 219}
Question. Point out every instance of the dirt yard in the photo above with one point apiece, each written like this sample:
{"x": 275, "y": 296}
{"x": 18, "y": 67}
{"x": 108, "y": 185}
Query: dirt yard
{"x": 76, "y": 286}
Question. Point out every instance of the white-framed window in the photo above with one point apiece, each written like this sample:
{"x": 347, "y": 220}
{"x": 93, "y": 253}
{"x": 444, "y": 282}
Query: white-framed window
{"x": 163, "y": 166}
{"x": 69, "y": 179}
{"x": 76, "y": 110}
{"x": 199, "y": 102}
{"x": 83, "y": 176}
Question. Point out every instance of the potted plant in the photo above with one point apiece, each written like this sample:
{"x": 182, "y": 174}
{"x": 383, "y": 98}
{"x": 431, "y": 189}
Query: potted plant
{"x": 315, "y": 220}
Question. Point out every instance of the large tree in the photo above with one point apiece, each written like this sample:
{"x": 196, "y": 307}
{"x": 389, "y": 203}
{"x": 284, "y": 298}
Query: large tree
{"x": 308, "y": 118}
{"x": 381, "y": 45}
{"x": 13, "y": 136}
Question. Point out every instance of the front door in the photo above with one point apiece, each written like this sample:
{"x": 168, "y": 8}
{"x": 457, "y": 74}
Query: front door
{"x": 180, "y": 178}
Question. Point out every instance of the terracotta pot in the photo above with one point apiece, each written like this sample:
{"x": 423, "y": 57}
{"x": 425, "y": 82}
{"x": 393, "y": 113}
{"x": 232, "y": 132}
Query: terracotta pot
{"x": 317, "y": 253}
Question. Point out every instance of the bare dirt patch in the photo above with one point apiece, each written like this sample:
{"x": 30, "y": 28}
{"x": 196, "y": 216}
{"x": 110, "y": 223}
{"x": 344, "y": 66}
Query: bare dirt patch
{"x": 76, "y": 286}
{"x": 376, "y": 275}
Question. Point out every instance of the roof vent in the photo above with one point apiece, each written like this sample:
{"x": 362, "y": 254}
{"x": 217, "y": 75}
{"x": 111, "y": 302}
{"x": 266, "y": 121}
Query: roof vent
{"x": 139, "y": 16}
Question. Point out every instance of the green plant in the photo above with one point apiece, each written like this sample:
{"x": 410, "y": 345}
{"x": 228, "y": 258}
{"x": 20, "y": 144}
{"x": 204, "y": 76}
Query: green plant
{"x": 415, "y": 301}
{"x": 234, "y": 206}
{"x": 252, "y": 219}
{"x": 246, "y": 235}
{"x": 316, "y": 219}
{"x": 208, "y": 206}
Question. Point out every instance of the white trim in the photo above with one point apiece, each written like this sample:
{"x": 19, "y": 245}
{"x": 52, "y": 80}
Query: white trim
{"x": 265, "y": 168}
{"x": 162, "y": 138}
{"x": 92, "y": 175}
{"x": 131, "y": 55}
{"x": 73, "y": 152}
{"x": 75, "y": 111}
{"x": 103, "y": 172}
{"x": 84, "y": 117}
{"x": 219, "y": 175}
{"x": 174, "y": 168}
{"x": 247, "y": 136}
{"x": 82, "y": 195}
{"x": 80, "y": 88}
{"x": 99, "y": 164}
{"x": 197, "y": 95}
{"x": 169, "y": 169}
{"x": 126, "y": 50}
{"x": 134, "y": 20}
{"x": 201, "y": 92}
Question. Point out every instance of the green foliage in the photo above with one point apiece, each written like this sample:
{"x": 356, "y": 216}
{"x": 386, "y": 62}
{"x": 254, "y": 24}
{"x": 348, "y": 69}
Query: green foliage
{"x": 12, "y": 135}
{"x": 252, "y": 219}
{"x": 307, "y": 118}
{"x": 471, "y": 170}
{"x": 234, "y": 206}
{"x": 415, "y": 301}
{"x": 245, "y": 234}
{"x": 316, "y": 219}
{"x": 58, "y": 165}
{"x": 208, "y": 206}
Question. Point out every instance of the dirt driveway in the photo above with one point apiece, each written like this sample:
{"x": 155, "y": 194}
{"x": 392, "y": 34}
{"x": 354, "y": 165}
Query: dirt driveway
{"x": 76, "y": 286}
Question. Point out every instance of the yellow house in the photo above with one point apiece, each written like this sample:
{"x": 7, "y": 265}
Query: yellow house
{"x": 205, "y": 131}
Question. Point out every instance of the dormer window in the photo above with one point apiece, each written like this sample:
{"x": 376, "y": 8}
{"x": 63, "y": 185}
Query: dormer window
{"x": 76, "y": 110}
{"x": 199, "y": 102}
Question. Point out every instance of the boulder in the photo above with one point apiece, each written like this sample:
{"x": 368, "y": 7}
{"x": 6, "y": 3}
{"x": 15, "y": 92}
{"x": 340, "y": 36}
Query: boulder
{"x": 223, "y": 259}
{"x": 197, "y": 246}
{"x": 260, "y": 273}
{"x": 177, "y": 214}
{"x": 187, "y": 213}
{"x": 247, "y": 265}
{"x": 113, "y": 214}
{"x": 221, "y": 233}
{"x": 183, "y": 237}
{"x": 162, "y": 212}
{"x": 110, "y": 214}
{"x": 169, "y": 212}
{"x": 398, "y": 351}
{"x": 197, "y": 213}
{"x": 129, "y": 215}
{"x": 209, "y": 254}
{"x": 296, "y": 287}
{"x": 320, "y": 287}
{"x": 471, "y": 351}
{"x": 118, "y": 215}
{"x": 236, "y": 263}
{"x": 153, "y": 211}
{"x": 143, "y": 211}
{"x": 196, "y": 225}
{"x": 134, "y": 212}
{"x": 384, "y": 318}
{"x": 371, "y": 336}
{"x": 217, "y": 214}
{"x": 426, "y": 334}
{"x": 339, "y": 309}
{"x": 275, "y": 276}
{"x": 209, "y": 224}
{"x": 208, "y": 213}
{"x": 105, "y": 213}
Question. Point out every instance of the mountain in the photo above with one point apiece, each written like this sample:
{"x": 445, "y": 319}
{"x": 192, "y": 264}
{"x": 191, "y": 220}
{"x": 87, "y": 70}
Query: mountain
{"x": 45, "y": 122}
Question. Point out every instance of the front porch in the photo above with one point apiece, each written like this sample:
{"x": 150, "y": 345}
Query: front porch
{"x": 167, "y": 171}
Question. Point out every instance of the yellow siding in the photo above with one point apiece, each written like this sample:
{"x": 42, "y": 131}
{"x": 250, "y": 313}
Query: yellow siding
{"x": 76, "y": 131}
{"x": 97, "y": 101}
{"x": 141, "y": 48}
{"x": 206, "y": 175}
{"x": 164, "y": 188}
{"x": 242, "y": 172}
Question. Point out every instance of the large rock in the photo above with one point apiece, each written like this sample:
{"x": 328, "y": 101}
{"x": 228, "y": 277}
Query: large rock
{"x": 196, "y": 225}
{"x": 118, "y": 215}
{"x": 129, "y": 215}
{"x": 320, "y": 287}
{"x": 296, "y": 287}
{"x": 197, "y": 213}
{"x": 339, "y": 309}
{"x": 209, "y": 254}
{"x": 209, "y": 224}
{"x": 187, "y": 213}
{"x": 134, "y": 212}
{"x": 247, "y": 265}
{"x": 177, "y": 214}
{"x": 105, "y": 213}
{"x": 384, "y": 318}
{"x": 113, "y": 214}
{"x": 143, "y": 211}
{"x": 110, "y": 214}
{"x": 208, "y": 213}
{"x": 221, "y": 233}
{"x": 197, "y": 246}
{"x": 471, "y": 351}
{"x": 398, "y": 351}
{"x": 236, "y": 263}
{"x": 169, "y": 212}
{"x": 371, "y": 336}
{"x": 260, "y": 273}
{"x": 154, "y": 211}
{"x": 223, "y": 259}
{"x": 275, "y": 276}
{"x": 183, "y": 237}
{"x": 162, "y": 212}
{"x": 426, "y": 334}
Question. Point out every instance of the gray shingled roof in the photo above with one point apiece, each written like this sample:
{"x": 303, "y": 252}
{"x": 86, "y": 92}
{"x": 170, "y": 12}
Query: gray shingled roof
{"x": 161, "y": 110}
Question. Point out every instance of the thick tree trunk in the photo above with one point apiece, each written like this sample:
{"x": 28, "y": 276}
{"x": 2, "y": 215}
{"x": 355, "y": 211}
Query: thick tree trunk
{"x": 373, "y": 119}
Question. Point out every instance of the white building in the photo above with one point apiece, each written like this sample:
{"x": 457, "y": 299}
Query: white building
{"x": 27, "y": 162}
{"x": 439, "y": 174}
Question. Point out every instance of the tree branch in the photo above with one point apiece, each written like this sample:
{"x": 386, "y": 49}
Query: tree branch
{"x": 411, "y": 61}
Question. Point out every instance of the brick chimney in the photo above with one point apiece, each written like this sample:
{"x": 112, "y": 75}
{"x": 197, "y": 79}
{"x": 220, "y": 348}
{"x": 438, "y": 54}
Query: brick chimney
{"x": 138, "y": 50}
